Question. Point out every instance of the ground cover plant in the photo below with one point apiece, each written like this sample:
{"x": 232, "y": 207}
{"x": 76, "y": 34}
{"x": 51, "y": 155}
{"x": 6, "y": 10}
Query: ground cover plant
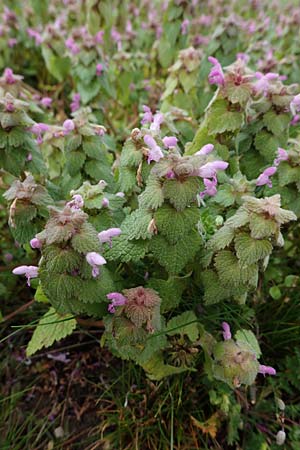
{"x": 149, "y": 223}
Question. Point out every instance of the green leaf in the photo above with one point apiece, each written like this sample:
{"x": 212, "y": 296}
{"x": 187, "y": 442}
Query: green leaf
{"x": 288, "y": 174}
{"x": 181, "y": 194}
{"x": 61, "y": 259}
{"x": 276, "y": 123}
{"x": 220, "y": 119}
{"x": 98, "y": 170}
{"x": 275, "y": 292}
{"x": 170, "y": 291}
{"x": 238, "y": 93}
{"x": 40, "y": 296}
{"x": 86, "y": 240}
{"x": 72, "y": 142}
{"x": 57, "y": 66}
{"x": 262, "y": 227}
{"x": 221, "y": 239}
{"x": 130, "y": 155}
{"x": 228, "y": 268}
{"x": 136, "y": 225}
{"x": 185, "y": 325}
{"x": 251, "y": 250}
{"x": 214, "y": 292}
{"x": 74, "y": 162}
{"x": 127, "y": 179}
{"x": 175, "y": 257}
{"x": 153, "y": 196}
{"x": 94, "y": 147}
{"x": 248, "y": 338}
{"x": 225, "y": 195}
{"x": 267, "y": 144}
{"x": 126, "y": 250}
{"x": 51, "y": 327}
{"x": 176, "y": 224}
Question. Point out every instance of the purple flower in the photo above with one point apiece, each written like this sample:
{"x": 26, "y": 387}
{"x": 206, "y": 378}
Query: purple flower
{"x": 266, "y": 370}
{"x": 148, "y": 116}
{"x": 35, "y": 243}
{"x": 46, "y": 102}
{"x": 9, "y": 76}
{"x": 68, "y": 126}
{"x": 38, "y": 129}
{"x": 243, "y": 57}
{"x": 120, "y": 194}
{"x": 75, "y": 104}
{"x": 295, "y": 119}
{"x": 76, "y": 202}
{"x": 216, "y": 75}
{"x": 99, "y": 69}
{"x": 184, "y": 26}
{"x": 282, "y": 155}
{"x": 155, "y": 153}
{"x": 72, "y": 46}
{"x": 95, "y": 260}
{"x": 36, "y": 35}
{"x": 12, "y": 42}
{"x": 210, "y": 187}
{"x": 28, "y": 271}
{"x": 107, "y": 235}
{"x": 205, "y": 150}
{"x": 99, "y": 37}
{"x": 226, "y": 331}
{"x": 157, "y": 121}
{"x": 263, "y": 83}
{"x": 105, "y": 202}
{"x": 117, "y": 299}
{"x": 170, "y": 141}
{"x": 264, "y": 178}
{"x": 210, "y": 169}
{"x": 295, "y": 104}
{"x": 170, "y": 174}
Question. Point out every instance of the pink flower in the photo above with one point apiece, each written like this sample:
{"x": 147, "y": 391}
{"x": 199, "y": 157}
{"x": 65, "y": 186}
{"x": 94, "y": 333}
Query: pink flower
{"x": 35, "y": 243}
{"x": 95, "y": 260}
{"x": 68, "y": 126}
{"x": 295, "y": 104}
{"x": 148, "y": 116}
{"x": 295, "y": 119}
{"x": 210, "y": 169}
{"x": 75, "y": 104}
{"x": 105, "y": 202}
{"x": 155, "y": 153}
{"x": 107, "y": 235}
{"x": 170, "y": 141}
{"x": 170, "y": 174}
{"x": 38, "y": 129}
{"x": 226, "y": 331}
{"x": 264, "y": 177}
{"x": 210, "y": 187}
{"x": 76, "y": 202}
{"x": 46, "y": 102}
{"x": 263, "y": 83}
{"x": 205, "y": 150}
{"x": 28, "y": 271}
{"x": 117, "y": 299}
{"x": 12, "y": 42}
{"x": 99, "y": 37}
{"x": 184, "y": 26}
{"x": 99, "y": 69}
{"x": 9, "y": 76}
{"x": 266, "y": 370}
{"x": 157, "y": 121}
{"x": 216, "y": 75}
{"x": 72, "y": 46}
{"x": 36, "y": 35}
{"x": 282, "y": 155}
{"x": 243, "y": 57}
{"x": 120, "y": 194}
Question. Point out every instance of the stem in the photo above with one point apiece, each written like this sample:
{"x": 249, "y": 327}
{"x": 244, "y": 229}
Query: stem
{"x": 17, "y": 311}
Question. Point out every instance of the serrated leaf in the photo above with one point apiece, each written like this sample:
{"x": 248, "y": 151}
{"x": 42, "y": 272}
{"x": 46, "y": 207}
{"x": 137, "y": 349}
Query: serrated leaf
{"x": 248, "y": 338}
{"x": 228, "y": 268}
{"x": 16, "y": 137}
{"x": 276, "y": 123}
{"x": 170, "y": 291}
{"x": 220, "y": 119}
{"x": 288, "y": 174}
{"x": 221, "y": 239}
{"x": 94, "y": 147}
{"x": 267, "y": 144}
{"x": 74, "y": 162}
{"x": 130, "y": 155}
{"x": 261, "y": 227}
{"x": 181, "y": 194}
{"x": 136, "y": 225}
{"x": 98, "y": 170}
{"x": 213, "y": 291}
{"x": 127, "y": 179}
{"x": 184, "y": 324}
{"x": 175, "y": 257}
{"x": 126, "y": 250}
{"x": 72, "y": 142}
{"x": 51, "y": 327}
{"x": 238, "y": 93}
{"x": 225, "y": 195}
{"x": 86, "y": 240}
{"x": 153, "y": 196}
{"x": 156, "y": 368}
{"x": 61, "y": 259}
{"x": 251, "y": 250}
{"x": 176, "y": 224}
